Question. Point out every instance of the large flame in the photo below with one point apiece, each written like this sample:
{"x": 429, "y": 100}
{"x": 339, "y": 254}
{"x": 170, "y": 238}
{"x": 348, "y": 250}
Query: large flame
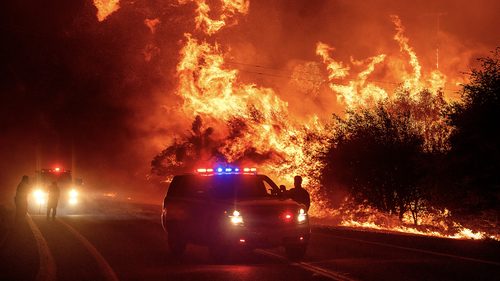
{"x": 209, "y": 87}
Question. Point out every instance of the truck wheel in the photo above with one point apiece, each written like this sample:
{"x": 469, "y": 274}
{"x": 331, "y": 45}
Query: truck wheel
{"x": 296, "y": 251}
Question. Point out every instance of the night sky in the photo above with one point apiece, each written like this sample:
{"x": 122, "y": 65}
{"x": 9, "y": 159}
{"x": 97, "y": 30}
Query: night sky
{"x": 99, "y": 97}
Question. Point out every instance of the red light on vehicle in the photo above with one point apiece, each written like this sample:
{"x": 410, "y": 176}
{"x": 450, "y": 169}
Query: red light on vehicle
{"x": 301, "y": 238}
{"x": 227, "y": 170}
{"x": 288, "y": 216}
{"x": 242, "y": 240}
{"x": 249, "y": 169}
{"x": 57, "y": 169}
{"x": 203, "y": 170}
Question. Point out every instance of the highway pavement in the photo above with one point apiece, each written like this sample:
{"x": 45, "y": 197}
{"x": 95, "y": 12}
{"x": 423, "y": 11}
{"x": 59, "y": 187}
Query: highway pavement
{"x": 125, "y": 241}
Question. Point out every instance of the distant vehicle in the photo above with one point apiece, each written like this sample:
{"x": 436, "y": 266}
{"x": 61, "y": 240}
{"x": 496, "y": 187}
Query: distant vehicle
{"x": 228, "y": 209}
{"x": 68, "y": 187}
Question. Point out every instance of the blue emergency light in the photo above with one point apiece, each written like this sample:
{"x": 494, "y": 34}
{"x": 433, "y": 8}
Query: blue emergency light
{"x": 227, "y": 170}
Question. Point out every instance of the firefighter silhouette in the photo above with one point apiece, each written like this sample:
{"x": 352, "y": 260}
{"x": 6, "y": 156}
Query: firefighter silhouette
{"x": 54, "y": 194}
{"x": 21, "y": 199}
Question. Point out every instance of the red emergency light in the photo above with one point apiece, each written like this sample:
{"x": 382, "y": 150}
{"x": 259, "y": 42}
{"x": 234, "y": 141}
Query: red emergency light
{"x": 227, "y": 170}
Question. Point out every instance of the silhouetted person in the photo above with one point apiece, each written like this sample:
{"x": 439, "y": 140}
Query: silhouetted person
{"x": 21, "y": 199}
{"x": 54, "y": 194}
{"x": 298, "y": 194}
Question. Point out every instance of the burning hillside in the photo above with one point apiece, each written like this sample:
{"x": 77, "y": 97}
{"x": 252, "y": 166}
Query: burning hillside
{"x": 237, "y": 121}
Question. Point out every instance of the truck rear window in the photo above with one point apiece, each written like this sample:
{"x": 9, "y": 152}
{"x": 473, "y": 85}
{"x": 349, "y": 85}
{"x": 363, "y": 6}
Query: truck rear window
{"x": 235, "y": 186}
{"x": 240, "y": 187}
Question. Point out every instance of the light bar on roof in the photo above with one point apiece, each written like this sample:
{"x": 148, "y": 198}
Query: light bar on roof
{"x": 52, "y": 170}
{"x": 205, "y": 170}
{"x": 227, "y": 170}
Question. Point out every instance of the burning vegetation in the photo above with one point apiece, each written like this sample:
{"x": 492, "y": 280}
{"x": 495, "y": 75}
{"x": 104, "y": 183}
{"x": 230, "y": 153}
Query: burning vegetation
{"x": 407, "y": 159}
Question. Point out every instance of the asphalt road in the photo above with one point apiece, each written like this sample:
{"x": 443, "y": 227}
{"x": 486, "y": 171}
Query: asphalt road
{"x": 125, "y": 241}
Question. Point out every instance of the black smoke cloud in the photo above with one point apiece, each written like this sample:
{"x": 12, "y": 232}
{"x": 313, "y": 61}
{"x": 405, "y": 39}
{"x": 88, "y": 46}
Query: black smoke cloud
{"x": 99, "y": 97}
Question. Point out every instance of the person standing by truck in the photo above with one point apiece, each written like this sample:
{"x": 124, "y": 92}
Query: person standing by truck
{"x": 54, "y": 194}
{"x": 298, "y": 193}
{"x": 21, "y": 199}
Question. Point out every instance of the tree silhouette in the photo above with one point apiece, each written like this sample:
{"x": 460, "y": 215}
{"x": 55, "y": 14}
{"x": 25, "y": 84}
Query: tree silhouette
{"x": 185, "y": 153}
{"x": 472, "y": 168}
{"x": 197, "y": 148}
{"x": 374, "y": 154}
{"x": 380, "y": 154}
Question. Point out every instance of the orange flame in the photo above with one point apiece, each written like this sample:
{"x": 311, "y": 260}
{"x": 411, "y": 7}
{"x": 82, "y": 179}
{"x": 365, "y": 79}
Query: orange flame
{"x": 367, "y": 217}
{"x": 360, "y": 93}
{"x": 210, "y": 88}
{"x": 105, "y": 8}
{"x": 229, "y": 8}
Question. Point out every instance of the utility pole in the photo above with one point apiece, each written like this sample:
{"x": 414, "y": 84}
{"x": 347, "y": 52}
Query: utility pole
{"x": 437, "y": 44}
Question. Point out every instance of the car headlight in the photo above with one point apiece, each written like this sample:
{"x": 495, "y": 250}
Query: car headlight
{"x": 236, "y": 218}
{"x": 72, "y": 196}
{"x": 38, "y": 193}
{"x": 302, "y": 216}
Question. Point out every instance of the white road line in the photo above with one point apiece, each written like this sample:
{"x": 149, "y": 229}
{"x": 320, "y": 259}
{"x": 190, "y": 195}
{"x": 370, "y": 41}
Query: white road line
{"x": 411, "y": 249}
{"x": 103, "y": 265}
{"x": 307, "y": 266}
{"x": 47, "y": 270}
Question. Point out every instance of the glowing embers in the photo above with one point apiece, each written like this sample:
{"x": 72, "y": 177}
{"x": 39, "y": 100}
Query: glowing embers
{"x": 111, "y": 194}
{"x": 236, "y": 218}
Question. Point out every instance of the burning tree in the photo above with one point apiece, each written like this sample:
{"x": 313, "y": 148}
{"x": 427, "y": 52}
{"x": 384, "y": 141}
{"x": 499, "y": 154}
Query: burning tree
{"x": 186, "y": 152}
{"x": 470, "y": 174}
{"x": 379, "y": 154}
